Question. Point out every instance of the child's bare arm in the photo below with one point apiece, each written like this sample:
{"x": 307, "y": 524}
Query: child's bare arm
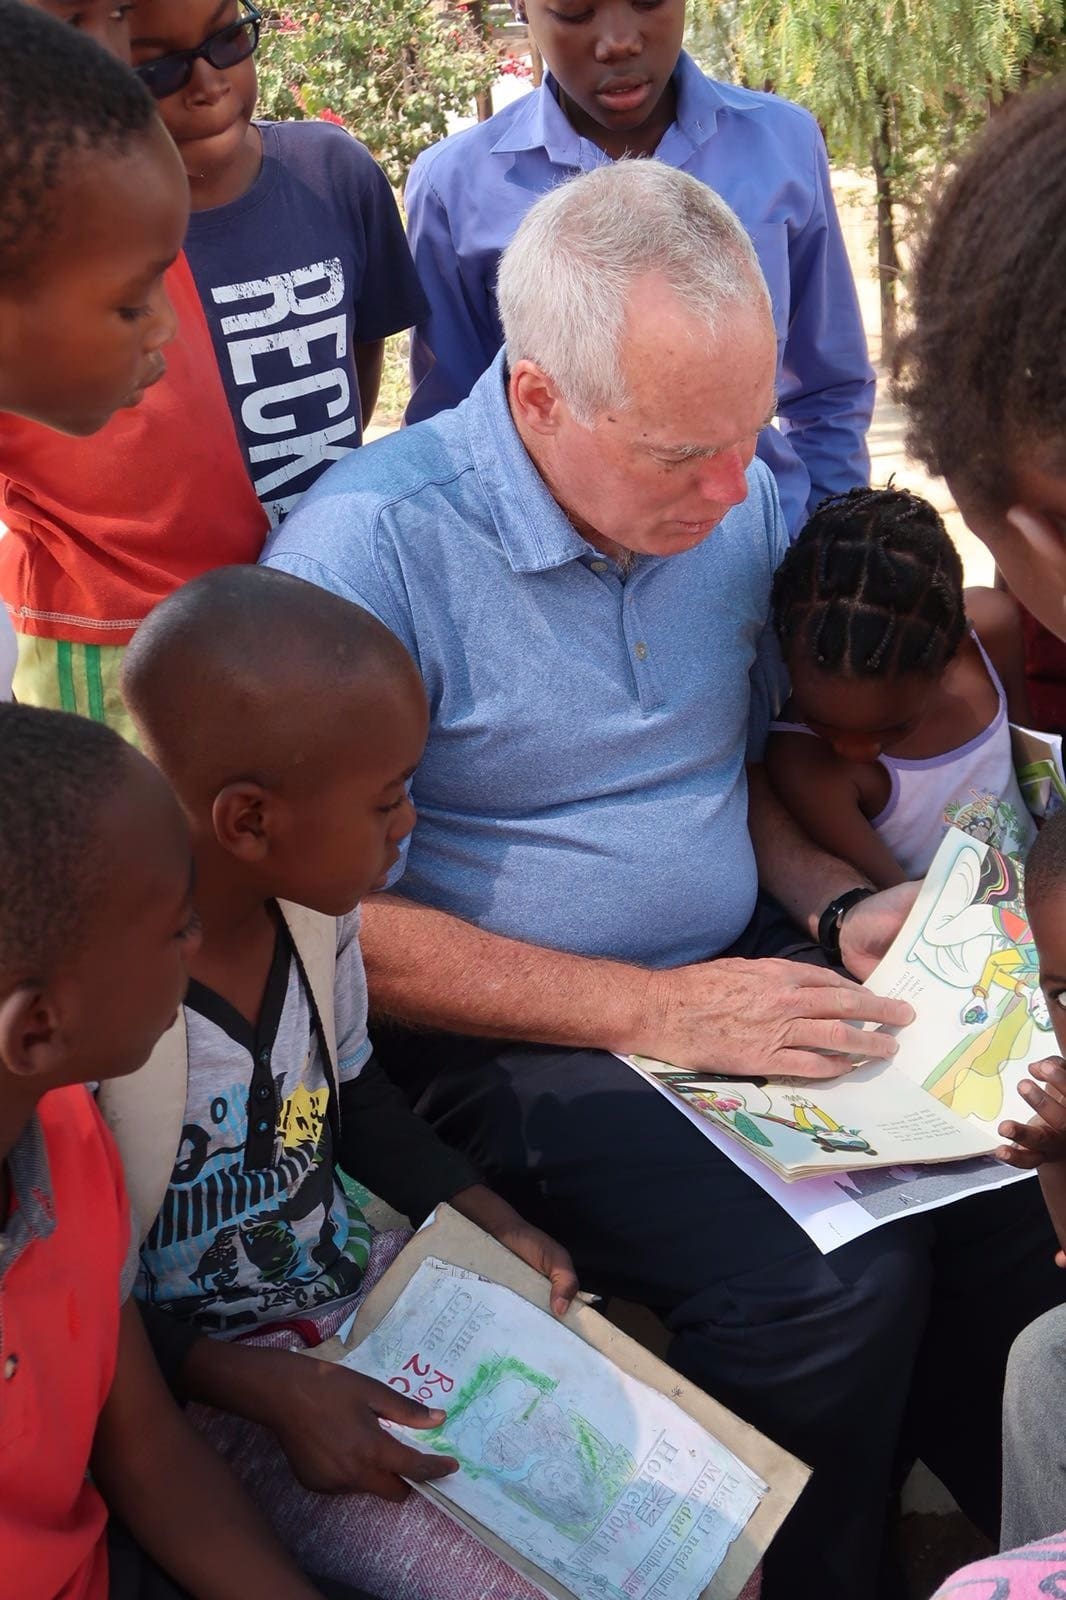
{"x": 822, "y": 795}
{"x": 1041, "y": 1142}
{"x": 998, "y": 624}
{"x": 175, "y": 1494}
{"x": 369, "y": 365}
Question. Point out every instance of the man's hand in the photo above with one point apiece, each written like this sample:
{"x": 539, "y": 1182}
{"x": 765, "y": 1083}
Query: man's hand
{"x": 766, "y": 1018}
{"x": 538, "y": 1250}
{"x": 1044, "y": 1138}
{"x": 870, "y": 927}
{"x": 327, "y": 1422}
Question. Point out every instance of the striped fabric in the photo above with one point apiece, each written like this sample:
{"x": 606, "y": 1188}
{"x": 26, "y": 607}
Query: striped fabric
{"x": 80, "y": 678}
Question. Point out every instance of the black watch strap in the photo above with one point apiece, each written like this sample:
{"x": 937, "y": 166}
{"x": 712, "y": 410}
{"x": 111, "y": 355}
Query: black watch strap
{"x": 831, "y": 918}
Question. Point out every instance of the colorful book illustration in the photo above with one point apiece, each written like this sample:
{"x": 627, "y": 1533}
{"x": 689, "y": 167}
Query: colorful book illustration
{"x": 965, "y": 960}
{"x": 1038, "y": 766}
{"x": 593, "y": 1469}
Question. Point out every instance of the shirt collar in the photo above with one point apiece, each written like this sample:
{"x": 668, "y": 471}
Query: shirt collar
{"x": 32, "y": 1214}
{"x": 535, "y": 532}
{"x": 541, "y": 124}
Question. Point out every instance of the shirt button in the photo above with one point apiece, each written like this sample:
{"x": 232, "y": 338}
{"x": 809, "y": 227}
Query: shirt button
{"x": 598, "y": 566}
{"x": 640, "y": 650}
{"x": 262, "y": 1093}
{"x": 262, "y": 1127}
{"x": 264, "y": 1058}
{"x": 11, "y": 1366}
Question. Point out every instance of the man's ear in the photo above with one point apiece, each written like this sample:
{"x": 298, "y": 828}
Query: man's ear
{"x": 31, "y": 1039}
{"x": 244, "y": 820}
{"x": 535, "y": 400}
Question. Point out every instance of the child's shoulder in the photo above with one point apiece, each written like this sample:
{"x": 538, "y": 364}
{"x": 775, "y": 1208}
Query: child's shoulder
{"x": 993, "y": 615}
{"x": 453, "y": 156}
{"x": 315, "y": 146}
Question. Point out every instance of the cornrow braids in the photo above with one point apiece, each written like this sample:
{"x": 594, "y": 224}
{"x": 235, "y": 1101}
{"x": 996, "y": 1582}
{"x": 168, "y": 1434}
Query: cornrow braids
{"x": 871, "y": 588}
{"x": 981, "y": 370}
{"x": 60, "y": 93}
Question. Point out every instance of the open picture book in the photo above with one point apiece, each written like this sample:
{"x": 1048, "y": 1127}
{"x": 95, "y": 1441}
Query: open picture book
{"x": 966, "y": 962}
{"x": 588, "y": 1465}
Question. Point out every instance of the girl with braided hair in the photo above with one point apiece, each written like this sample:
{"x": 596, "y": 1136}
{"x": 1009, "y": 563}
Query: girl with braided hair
{"x": 898, "y": 720}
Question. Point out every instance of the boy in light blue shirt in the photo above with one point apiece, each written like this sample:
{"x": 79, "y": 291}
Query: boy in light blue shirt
{"x": 620, "y": 84}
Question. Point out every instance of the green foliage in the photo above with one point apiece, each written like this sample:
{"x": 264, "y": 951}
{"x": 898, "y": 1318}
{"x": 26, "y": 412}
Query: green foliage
{"x": 391, "y": 71}
{"x": 933, "y": 66}
{"x": 897, "y": 85}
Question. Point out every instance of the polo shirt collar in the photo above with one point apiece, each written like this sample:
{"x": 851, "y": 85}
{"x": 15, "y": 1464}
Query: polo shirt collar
{"x": 535, "y": 532}
{"x": 541, "y": 124}
{"x": 32, "y": 1214}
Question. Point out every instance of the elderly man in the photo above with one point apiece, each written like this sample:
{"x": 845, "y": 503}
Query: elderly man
{"x": 579, "y": 559}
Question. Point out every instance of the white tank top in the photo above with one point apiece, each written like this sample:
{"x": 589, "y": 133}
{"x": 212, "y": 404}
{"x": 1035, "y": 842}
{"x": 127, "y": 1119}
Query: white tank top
{"x": 973, "y": 788}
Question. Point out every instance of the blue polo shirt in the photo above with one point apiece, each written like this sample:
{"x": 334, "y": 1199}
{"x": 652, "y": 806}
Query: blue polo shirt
{"x": 763, "y": 155}
{"x": 583, "y": 786}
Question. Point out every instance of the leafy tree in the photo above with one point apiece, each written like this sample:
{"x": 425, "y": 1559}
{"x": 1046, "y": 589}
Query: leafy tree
{"x": 389, "y": 70}
{"x": 897, "y": 85}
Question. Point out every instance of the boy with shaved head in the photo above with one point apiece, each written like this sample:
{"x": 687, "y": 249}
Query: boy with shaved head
{"x": 289, "y": 723}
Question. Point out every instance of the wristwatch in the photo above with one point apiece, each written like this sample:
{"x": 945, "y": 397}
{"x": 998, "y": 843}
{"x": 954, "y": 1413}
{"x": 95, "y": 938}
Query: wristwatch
{"x": 832, "y": 918}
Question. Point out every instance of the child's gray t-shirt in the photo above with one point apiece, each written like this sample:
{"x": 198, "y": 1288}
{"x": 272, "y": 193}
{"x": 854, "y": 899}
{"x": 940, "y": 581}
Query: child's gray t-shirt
{"x": 255, "y": 1227}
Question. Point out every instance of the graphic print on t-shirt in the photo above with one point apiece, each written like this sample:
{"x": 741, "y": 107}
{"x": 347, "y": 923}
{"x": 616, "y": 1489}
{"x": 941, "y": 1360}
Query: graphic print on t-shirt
{"x": 294, "y": 276}
{"x": 288, "y": 350}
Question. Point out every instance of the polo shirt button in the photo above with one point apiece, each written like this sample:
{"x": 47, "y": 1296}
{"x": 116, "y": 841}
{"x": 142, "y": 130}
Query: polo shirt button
{"x": 11, "y": 1366}
{"x": 264, "y": 1058}
{"x": 640, "y": 650}
{"x": 598, "y": 566}
{"x": 262, "y": 1093}
{"x": 262, "y": 1127}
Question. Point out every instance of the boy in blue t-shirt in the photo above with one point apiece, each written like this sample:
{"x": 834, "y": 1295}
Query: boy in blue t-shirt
{"x": 295, "y": 242}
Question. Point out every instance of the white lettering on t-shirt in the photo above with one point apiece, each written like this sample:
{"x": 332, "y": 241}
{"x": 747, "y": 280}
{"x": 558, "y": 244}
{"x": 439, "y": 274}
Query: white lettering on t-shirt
{"x": 269, "y": 411}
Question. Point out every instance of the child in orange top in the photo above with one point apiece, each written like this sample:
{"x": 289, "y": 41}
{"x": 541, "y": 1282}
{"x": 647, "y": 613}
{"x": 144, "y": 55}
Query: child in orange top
{"x": 95, "y": 928}
{"x": 90, "y": 294}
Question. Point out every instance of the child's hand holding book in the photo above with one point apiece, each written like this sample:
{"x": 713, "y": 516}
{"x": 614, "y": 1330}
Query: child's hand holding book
{"x": 1041, "y": 1142}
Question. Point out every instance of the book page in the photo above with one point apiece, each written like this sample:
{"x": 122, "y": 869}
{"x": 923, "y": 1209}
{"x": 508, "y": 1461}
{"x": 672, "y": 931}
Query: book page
{"x": 604, "y": 1484}
{"x": 874, "y": 1117}
{"x": 966, "y": 961}
{"x": 1039, "y": 770}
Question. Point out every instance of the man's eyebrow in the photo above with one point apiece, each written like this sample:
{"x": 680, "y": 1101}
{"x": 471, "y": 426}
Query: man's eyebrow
{"x": 683, "y": 451}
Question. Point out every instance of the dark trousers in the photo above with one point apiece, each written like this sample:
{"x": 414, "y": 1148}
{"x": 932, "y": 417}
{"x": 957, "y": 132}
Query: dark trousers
{"x": 888, "y": 1348}
{"x": 132, "y": 1575}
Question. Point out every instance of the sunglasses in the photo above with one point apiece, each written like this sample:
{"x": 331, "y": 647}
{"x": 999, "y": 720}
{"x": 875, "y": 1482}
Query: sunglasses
{"x": 167, "y": 74}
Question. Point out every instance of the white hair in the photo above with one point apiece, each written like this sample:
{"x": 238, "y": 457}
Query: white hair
{"x": 567, "y": 275}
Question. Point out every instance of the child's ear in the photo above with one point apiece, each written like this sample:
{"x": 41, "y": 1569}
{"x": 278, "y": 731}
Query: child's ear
{"x": 31, "y": 1039}
{"x": 243, "y": 817}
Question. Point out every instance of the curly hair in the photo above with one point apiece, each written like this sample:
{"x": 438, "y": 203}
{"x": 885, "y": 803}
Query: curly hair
{"x": 1045, "y": 866}
{"x": 982, "y": 362}
{"x": 60, "y": 94}
{"x": 58, "y": 774}
{"x": 872, "y": 587}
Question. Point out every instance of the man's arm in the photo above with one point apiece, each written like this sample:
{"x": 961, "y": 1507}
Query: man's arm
{"x": 745, "y": 1018}
{"x": 369, "y": 363}
{"x": 825, "y": 795}
{"x": 805, "y": 879}
{"x": 175, "y": 1494}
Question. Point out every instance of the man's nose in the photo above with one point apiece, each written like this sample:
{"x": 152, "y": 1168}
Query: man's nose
{"x": 723, "y": 478}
